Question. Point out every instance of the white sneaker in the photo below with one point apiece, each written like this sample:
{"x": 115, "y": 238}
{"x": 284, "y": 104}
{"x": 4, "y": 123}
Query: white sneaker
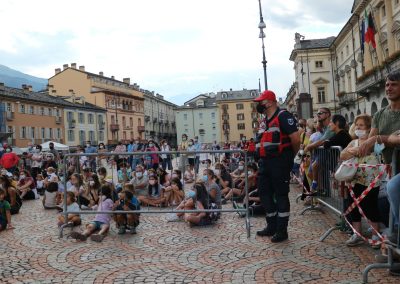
{"x": 354, "y": 240}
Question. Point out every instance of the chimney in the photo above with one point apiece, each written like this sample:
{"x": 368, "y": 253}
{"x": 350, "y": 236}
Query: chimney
{"x": 127, "y": 81}
{"x": 73, "y": 65}
{"x": 54, "y": 93}
{"x": 82, "y": 68}
{"x": 29, "y": 88}
{"x": 65, "y": 66}
{"x": 101, "y": 73}
{"x": 57, "y": 70}
{"x": 112, "y": 77}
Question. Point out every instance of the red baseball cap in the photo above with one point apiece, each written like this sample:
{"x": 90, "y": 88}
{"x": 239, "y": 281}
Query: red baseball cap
{"x": 266, "y": 95}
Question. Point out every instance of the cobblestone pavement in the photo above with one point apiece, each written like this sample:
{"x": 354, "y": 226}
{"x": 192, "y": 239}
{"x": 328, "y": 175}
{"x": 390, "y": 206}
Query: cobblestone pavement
{"x": 165, "y": 252}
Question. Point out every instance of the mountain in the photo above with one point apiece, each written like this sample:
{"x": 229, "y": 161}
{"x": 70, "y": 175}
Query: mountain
{"x": 16, "y": 79}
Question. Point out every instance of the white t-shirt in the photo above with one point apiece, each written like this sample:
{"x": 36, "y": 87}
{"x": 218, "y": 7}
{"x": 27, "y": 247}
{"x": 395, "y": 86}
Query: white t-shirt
{"x": 50, "y": 199}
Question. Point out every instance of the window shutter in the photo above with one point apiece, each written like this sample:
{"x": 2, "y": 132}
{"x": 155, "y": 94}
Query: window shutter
{"x": 20, "y": 132}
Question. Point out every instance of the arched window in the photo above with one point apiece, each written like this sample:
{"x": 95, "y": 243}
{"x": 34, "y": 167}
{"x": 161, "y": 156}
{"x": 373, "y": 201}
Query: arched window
{"x": 351, "y": 117}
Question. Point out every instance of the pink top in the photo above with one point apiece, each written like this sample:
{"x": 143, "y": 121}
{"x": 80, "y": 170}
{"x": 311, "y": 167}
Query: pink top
{"x": 106, "y": 205}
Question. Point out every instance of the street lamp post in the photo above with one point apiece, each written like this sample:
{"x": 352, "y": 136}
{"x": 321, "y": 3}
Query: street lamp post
{"x": 262, "y": 26}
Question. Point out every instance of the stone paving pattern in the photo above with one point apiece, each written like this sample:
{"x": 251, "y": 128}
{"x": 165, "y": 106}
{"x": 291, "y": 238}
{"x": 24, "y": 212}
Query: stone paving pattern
{"x": 165, "y": 252}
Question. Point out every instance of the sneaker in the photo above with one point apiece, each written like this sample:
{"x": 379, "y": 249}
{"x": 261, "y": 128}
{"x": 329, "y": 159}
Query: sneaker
{"x": 354, "y": 240}
{"x": 266, "y": 232}
{"x": 279, "y": 237}
{"x": 97, "y": 238}
{"x": 121, "y": 230}
{"x": 132, "y": 229}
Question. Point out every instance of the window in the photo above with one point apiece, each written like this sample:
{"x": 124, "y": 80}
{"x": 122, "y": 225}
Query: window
{"x": 101, "y": 136}
{"x": 9, "y": 108}
{"x": 32, "y": 132}
{"x": 131, "y": 121}
{"x": 22, "y": 108}
{"x": 23, "y": 132}
{"x": 10, "y": 130}
{"x": 42, "y": 111}
{"x": 240, "y": 116}
{"x": 341, "y": 56}
{"x": 318, "y": 64}
{"x": 123, "y": 121}
{"x": 383, "y": 11}
{"x": 91, "y": 136}
{"x": 185, "y": 116}
{"x": 71, "y": 135}
{"x": 31, "y": 110}
{"x": 42, "y": 133}
{"x": 241, "y": 126}
{"x": 112, "y": 119}
{"x": 90, "y": 118}
{"x": 70, "y": 116}
{"x": 50, "y": 133}
{"x": 200, "y": 115}
{"x": 321, "y": 94}
{"x": 347, "y": 50}
{"x": 213, "y": 115}
{"x": 239, "y": 106}
{"x": 57, "y": 112}
{"x": 81, "y": 118}
{"x": 59, "y": 133}
{"x": 225, "y": 107}
{"x": 214, "y": 136}
{"x": 50, "y": 111}
{"x": 139, "y": 121}
{"x": 225, "y": 117}
{"x": 82, "y": 136}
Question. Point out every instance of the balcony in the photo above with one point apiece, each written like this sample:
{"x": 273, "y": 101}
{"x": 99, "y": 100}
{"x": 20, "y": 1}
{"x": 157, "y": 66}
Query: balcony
{"x": 9, "y": 115}
{"x": 71, "y": 123}
{"x": 140, "y": 128}
{"x": 101, "y": 125}
{"x": 58, "y": 119}
{"x": 347, "y": 99}
{"x": 114, "y": 127}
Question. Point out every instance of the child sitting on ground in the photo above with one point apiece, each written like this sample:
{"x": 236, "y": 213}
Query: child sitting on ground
{"x": 73, "y": 219}
{"x": 101, "y": 220}
{"x": 5, "y": 215}
{"x": 50, "y": 196}
{"x": 40, "y": 184}
{"x": 127, "y": 201}
{"x": 188, "y": 176}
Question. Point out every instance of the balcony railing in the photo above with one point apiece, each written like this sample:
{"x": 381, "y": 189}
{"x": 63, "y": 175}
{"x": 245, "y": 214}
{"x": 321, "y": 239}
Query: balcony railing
{"x": 10, "y": 115}
{"x": 114, "y": 127}
{"x": 140, "y": 128}
{"x": 101, "y": 125}
{"x": 58, "y": 119}
{"x": 348, "y": 99}
{"x": 71, "y": 124}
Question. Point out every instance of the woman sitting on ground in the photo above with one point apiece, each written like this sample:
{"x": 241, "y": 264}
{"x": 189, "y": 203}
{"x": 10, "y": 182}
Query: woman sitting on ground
{"x": 72, "y": 206}
{"x": 199, "y": 200}
{"x": 11, "y": 194}
{"x": 165, "y": 178}
{"x": 240, "y": 190}
{"x": 155, "y": 193}
{"x": 26, "y": 186}
{"x": 174, "y": 193}
{"x": 211, "y": 182}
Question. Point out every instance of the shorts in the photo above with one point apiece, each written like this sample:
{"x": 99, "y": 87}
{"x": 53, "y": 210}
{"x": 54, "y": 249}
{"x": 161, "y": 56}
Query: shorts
{"x": 97, "y": 224}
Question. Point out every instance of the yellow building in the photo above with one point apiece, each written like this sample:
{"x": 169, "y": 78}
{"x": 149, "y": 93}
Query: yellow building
{"x": 123, "y": 102}
{"x": 238, "y": 115}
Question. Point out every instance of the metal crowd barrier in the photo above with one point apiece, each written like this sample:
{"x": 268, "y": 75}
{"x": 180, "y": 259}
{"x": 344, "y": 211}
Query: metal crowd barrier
{"x": 391, "y": 249}
{"x": 182, "y": 155}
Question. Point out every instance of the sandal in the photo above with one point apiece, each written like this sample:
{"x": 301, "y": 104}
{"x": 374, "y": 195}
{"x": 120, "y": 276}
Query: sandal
{"x": 97, "y": 238}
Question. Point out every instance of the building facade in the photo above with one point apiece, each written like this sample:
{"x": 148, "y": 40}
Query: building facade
{"x": 358, "y": 74}
{"x": 199, "y": 117}
{"x": 159, "y": 118}
{"x": 124, "y": 103}
{"x": 238, "y": 116}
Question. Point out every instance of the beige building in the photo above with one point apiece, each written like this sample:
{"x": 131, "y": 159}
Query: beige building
{"x": 237, "y": 114}
{"x": 123, "y": 102}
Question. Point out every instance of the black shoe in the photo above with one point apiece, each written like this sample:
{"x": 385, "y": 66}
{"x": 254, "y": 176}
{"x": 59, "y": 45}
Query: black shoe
{"x": 394, "y": 272}
{"x": 279, "y": 237}
{"x": 266, "y": 232}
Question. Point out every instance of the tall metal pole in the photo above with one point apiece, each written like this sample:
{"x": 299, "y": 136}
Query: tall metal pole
{"x": 261, "y": 26}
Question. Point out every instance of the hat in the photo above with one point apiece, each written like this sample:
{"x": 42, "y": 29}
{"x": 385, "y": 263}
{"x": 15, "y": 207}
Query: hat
{"x": 266, "y": 95}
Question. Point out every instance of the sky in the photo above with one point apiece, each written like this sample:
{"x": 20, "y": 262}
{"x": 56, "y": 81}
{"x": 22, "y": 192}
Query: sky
{"x": 177, "y": 48}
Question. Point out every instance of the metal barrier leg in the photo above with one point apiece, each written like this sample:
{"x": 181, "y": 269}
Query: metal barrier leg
{"x": 298, "y": 197}
{"x": 65, "y": 225}
{"x": 248, "y": 225}
{"x": 312, "y": 207}
{"x": 327, "y": 233}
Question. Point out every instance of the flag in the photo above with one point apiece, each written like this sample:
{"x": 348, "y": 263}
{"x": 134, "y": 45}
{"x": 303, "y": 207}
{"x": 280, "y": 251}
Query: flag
{"x": 369, "y": 29}
{"x": 362, "y": 32}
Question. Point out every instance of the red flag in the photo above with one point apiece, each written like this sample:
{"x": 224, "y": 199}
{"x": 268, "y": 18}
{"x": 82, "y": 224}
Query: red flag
{"x": 370, "y": 30}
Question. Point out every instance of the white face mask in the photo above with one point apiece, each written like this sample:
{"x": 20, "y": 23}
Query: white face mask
{"x": 88, "y": 145}
{"x": 139, "y": 174}
{"x": 91, "y": 183}
{"x": 360, "y": 133}
{"x": 241, "y": 168}
{"x": 22, "y": 177}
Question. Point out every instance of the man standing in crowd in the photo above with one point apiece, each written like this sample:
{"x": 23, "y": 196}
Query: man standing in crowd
{"x": 92, "y": 159}
{"x": 54, "y": 152}
{"x": 278, "y": 144}
{"x": 197, "y": 146}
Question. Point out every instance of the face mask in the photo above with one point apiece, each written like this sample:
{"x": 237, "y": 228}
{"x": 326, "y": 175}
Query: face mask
{"x": 217, "y": 172}
{"x": 260, "y": 108}
{"x": 195, "y": 140}
{"x": 152, "y": 182}
{"x": 165, "y": 144}
{"x": 360, "y": 133}
{"x": 241, "y": 168}
{"x": 88, "y": 145}
{"x": 8, "y": 150}
{"x": 191, "y": 194}
{"x": 190, "y": 143}
{"x": 139, "y": 174}
{"x": 205, "y": 178}
{"x": 378, "y": 148}
{"x": 183, "y": 139}
{"x": 151, "y": 145}
{"x": 21, "y": 177}
{"x": 174, "y": 175}
{"x": 91, "y": 183}
{"x": 249, "y": 173}
{"x": 101, "y": 147}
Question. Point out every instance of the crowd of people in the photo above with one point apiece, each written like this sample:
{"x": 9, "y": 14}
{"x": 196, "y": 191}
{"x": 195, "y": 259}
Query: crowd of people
{"x": 124, "y": 181}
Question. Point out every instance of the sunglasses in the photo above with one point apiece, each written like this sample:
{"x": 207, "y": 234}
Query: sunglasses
{"x": 321, "y": 113}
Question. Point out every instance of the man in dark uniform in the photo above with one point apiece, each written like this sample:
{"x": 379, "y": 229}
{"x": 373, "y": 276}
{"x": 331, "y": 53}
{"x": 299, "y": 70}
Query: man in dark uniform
{"x": 278, "y": 144}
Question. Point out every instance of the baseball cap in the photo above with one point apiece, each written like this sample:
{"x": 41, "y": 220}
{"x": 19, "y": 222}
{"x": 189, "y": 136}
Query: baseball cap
{"x": 266, "y": 95}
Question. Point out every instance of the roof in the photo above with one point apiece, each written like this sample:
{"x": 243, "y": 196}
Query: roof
{"x": 43, "y": 98}
{"x": 312, "y": 44}
{"x": 208, "y": 102}
{"x": 237, "y": 95}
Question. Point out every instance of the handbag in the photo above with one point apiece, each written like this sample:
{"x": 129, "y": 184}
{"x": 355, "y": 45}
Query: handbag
{"x": 347, "y": 170}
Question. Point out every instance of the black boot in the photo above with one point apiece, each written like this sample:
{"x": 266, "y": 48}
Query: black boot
{"x": 279, "y": 236}
{"x": 270, "y": 230}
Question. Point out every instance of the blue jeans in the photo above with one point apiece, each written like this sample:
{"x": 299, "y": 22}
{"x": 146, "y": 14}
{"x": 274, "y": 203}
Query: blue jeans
{"x": 393, "y": 192}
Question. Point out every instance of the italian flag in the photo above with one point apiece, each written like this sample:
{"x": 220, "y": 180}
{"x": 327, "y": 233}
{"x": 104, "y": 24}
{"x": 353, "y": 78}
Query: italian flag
{"x": 369, "y": 29}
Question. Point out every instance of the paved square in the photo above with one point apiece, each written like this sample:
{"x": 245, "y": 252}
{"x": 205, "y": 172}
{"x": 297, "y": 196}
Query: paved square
{"x": 164, "y": 252}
